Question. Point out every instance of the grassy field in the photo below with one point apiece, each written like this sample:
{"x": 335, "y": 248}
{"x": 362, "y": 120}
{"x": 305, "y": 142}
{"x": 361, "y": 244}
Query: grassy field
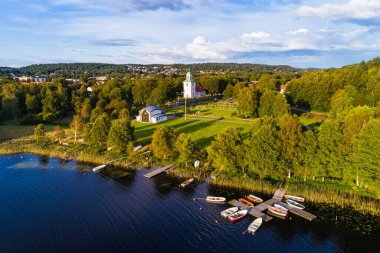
{"x": 201, "y": 131}
{"x": 12, "y": 130}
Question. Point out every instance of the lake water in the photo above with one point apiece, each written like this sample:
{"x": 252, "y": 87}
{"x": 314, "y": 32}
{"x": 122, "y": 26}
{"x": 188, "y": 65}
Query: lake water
{"x": 48, "y": 205}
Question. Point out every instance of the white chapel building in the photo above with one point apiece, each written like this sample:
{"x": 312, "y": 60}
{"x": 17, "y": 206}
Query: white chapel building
{"x": 190, "y": 89}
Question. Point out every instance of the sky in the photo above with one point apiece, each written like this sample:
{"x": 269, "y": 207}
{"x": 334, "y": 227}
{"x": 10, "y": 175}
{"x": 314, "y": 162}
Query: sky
{"x": 300, "y": 33}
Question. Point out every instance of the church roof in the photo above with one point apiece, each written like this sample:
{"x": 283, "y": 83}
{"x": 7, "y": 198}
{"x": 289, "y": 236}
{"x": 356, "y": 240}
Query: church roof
{"x": 199, "y": 88}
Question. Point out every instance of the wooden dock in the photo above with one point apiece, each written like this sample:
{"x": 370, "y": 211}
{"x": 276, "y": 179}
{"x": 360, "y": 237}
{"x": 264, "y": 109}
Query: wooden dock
{"x": 158, "y": 171}
{"x": 258, "y": 210}
{"x": 299, "y": 212}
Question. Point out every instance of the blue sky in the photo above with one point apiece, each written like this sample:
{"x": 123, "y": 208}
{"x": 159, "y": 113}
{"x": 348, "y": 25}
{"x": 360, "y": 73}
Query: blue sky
{"x": 295, "y": 32}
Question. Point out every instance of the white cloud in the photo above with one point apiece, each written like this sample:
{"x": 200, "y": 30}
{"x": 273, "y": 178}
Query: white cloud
{"x": 256, "y": 35}
{"x": 353, "y": 9}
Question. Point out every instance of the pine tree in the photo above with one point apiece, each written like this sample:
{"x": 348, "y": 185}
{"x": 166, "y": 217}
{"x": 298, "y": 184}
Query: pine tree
{"x": 39, "y": 132}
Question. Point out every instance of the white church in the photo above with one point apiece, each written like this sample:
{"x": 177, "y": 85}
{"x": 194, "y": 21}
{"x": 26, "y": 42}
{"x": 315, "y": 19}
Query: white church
{"x": 190, "y": 89}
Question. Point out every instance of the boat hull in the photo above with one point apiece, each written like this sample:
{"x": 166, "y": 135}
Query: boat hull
{"x": 187, "y": 182}
{"x": 277, "y": 211}
{"x": 215, "y": 199}
{"x": 295, "y": 198}
{"x": 235, "y": 217}
{"x": 254, "y": 199}
{"x": 246, "y": 202}
{"x": 254, "y": 226}
{"x": 229, "y": 212}
{"x": 295, "y": 204}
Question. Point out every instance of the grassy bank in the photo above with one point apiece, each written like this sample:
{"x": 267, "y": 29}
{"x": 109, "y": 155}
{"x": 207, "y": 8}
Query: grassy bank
{"x": 311, "y": 192}
{"x": 78, "y": 152}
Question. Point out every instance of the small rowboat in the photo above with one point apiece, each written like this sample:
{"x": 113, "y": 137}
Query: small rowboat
{"x": 98, "y": 168}
{"x": 254, "y": 199}
{"x": 295, "y": 204}
{"x": 295, "y": 198}
{"x": 187, "y": 182}
{"x": 277, "y": 211}
{"x": 280, "y": 207}
{"x": 235, "y": 217}
{"x": 244, "y": 201}
{"x": 254, "y": 226}
{"x": 215, "y": 199}
{"x": 229, "y": 211}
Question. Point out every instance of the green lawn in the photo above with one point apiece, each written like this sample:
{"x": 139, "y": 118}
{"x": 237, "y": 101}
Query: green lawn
{"x": 12, "y": 130}
{"x": 201, "y": 131}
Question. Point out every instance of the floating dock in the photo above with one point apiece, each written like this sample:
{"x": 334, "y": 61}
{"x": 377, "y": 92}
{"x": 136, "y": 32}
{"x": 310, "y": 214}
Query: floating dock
{"x": 258, "y": 210}
{"x": 158, "y": 171}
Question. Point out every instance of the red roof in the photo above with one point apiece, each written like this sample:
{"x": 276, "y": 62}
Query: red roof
{"x": 199, "y": 89}
{"x": 283, "y": 87}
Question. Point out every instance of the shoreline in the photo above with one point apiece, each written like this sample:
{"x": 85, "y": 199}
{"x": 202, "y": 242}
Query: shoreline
{"x": 311, "y": 192}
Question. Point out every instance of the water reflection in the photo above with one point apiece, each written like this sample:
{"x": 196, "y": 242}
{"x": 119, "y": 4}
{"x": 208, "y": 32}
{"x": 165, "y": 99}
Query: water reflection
{"x": 68, "y": 208}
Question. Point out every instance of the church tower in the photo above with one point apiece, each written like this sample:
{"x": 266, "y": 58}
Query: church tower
{"x": 189, "y": 86}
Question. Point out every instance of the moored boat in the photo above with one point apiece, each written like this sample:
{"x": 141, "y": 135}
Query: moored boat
{"x": 281, "y": 207}
{"x": 215, "y": 199}
{"x": 246, "y": 202}
{"x": 187, "y": 182}
{"x": 98, "y": 168}
{"x": 235, "y": 217}
{"x": 277, "y": 211}
{"x": 295, "y": 198}
{"x": 295, "y": 204}
{"x": 229, "y": 211}
{"x": 254, "y": 226}
{"x": 254, "y": 199}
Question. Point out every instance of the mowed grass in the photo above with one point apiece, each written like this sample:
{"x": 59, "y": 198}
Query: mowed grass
{"x": 201, "y": 131}
{"x": 12, "y": 130}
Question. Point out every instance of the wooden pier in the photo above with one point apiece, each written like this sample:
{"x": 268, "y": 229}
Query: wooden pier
{"x": 258, "y": 210}
{"x": 158, "y": 171}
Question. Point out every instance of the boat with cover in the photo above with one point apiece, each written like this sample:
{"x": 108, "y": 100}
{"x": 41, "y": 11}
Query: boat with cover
{"x": 254, "y": 199}
{"x": 215, "y": 199}
{"x": 229, "y": 211}
{"x": 254, "y": 226}
{"x": 246, "y": 202}
{"x": 187, "y": 182}
{"x": 277, "y": 211}
{"x": 235, "y": 217}
{"x": 295, "y": 204}
{"x": 295, "y": 198}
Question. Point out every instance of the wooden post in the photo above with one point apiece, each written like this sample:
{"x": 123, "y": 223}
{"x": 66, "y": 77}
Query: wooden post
{"x": 185, "y": 108}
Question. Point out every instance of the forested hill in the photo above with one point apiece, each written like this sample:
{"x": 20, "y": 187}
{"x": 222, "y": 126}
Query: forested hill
{"x": 74, "y": 70}
{"x": 358, "y": 83}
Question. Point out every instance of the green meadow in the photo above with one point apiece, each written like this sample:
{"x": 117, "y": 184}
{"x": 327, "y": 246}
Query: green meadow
{"x": 201, "y": 131}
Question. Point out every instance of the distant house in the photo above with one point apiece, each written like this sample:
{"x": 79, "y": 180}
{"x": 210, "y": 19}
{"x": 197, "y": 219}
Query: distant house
{"x": 283, "y": 89}
{"x": 89, "y": 89}
{"x": 190, "y": 89}
{"x": 38, "y": 79}
{"x": 151, "y": 114}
